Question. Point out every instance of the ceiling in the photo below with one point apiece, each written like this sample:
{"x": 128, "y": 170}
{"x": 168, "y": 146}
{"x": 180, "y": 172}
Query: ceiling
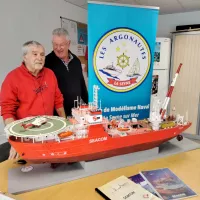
{"x": 166, "y": 6}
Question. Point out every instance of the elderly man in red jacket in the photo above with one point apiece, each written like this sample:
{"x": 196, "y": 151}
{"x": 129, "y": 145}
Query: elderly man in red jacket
{"x": 30, "y": 89}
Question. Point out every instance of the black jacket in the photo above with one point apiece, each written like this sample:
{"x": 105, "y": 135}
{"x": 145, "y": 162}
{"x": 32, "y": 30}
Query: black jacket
{"x": 70, "y": 81}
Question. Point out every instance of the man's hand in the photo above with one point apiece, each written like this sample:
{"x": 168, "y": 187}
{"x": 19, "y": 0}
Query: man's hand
{"x": 61, "y": 112}
{"x": 8, "y": 121}
{"x": 13, "y": 154}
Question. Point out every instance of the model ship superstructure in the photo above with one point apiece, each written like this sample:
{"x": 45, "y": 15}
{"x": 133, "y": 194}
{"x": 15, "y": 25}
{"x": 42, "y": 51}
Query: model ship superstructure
{"x": 88, "y": 114}
{"x": 87, "y": 135}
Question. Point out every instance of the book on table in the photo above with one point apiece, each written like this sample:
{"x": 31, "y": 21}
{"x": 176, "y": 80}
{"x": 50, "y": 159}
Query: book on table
{"x": 122, "y": 188}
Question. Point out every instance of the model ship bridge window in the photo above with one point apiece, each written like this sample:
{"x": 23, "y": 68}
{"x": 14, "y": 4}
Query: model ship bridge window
{"x": 137, "y": 126}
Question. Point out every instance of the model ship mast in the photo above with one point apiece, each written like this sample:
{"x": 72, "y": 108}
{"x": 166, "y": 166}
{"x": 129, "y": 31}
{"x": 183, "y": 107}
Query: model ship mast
{"x": 169, "y": 93}
{"x": 95, "y": 97}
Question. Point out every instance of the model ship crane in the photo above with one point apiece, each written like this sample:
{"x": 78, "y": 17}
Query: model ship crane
{"x": 169, "y": 93}
{"x": 157, "y": 116}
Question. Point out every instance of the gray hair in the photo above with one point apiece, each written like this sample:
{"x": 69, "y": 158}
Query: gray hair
{"x": 60, "y": 32}
{"x": 26, "y": 46}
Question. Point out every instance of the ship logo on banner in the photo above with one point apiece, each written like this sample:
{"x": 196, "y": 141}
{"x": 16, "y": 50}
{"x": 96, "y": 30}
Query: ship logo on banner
{"x": 122, "y": 59}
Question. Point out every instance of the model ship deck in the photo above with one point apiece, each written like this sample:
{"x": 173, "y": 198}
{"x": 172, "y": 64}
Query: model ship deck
{"x": 91, "y": 142}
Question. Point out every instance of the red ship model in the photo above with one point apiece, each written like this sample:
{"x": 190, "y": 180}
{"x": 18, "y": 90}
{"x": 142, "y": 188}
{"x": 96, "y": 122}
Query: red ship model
{"x": 88, "y": 136}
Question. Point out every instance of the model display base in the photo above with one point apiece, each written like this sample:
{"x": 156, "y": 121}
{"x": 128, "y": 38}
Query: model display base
{"x": 42, "y": 175}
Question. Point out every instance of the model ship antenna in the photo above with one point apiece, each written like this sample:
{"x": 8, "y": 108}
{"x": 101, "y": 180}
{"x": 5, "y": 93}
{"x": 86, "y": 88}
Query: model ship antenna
{"x": 95, "y": 96}
{"x": 100, "y": 104}
{"x": 169, "y": 93}
{"x": 76, "y": 102}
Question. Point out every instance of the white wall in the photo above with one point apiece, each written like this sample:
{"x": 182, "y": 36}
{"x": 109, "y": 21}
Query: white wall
{"x": 23, "y": 20}
{"x": 168, "y": 23}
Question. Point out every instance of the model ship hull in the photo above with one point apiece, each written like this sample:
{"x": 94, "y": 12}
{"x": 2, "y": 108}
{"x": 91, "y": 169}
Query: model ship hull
{"x": 99, "y": 146}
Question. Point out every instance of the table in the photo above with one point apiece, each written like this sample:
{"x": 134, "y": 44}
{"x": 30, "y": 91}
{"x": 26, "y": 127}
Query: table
{"x": 185, "y": 165}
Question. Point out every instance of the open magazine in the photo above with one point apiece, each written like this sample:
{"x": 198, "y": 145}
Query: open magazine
{"x": 164, "y": 184}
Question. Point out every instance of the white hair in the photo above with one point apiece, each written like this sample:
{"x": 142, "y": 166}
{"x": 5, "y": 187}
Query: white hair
{"x": 26, "y": 46}
{"x": 61, "y": 32}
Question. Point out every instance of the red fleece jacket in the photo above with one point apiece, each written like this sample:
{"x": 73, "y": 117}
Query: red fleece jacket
{"x": 23, "y": 94}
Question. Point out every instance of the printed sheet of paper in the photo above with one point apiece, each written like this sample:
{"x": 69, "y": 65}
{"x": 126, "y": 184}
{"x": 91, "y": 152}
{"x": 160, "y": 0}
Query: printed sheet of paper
{"x": 123, "y": 188}
{"x": 71, "y": 27}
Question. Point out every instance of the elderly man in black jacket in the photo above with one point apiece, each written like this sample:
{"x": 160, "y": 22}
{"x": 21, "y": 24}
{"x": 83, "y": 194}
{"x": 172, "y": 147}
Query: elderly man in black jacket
{"x": 67, "y": 68}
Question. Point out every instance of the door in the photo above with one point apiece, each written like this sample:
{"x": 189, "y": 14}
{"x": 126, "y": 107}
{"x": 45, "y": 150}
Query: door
{"x": 185, "y": 98}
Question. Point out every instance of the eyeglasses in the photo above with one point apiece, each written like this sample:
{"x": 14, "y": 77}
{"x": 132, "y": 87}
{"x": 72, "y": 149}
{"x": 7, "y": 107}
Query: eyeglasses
{"x": 59, "y": 45}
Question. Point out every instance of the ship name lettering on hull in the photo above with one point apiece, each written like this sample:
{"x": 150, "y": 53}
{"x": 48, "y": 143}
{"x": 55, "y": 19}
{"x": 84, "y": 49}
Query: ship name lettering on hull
{"x": 101, "y": 139}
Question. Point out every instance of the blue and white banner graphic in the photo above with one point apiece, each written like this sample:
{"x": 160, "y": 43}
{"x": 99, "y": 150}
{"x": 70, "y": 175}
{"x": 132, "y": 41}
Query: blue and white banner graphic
{"x": 121, "y": 41}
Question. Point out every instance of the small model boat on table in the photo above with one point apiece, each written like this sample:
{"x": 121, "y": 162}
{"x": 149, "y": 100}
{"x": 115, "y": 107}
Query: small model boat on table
{"x": 65, "y": 134}
{"x": 88, "y": 136}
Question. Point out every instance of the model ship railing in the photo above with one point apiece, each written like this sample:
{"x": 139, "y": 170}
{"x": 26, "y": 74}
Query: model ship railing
{"x": 41, "y": 137}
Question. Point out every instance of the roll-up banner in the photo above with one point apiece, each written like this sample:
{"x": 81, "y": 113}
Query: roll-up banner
{"x": 121, "y": 42}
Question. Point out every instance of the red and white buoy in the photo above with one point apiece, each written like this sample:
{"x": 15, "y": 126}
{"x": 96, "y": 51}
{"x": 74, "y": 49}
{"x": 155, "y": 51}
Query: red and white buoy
{"x": 169, "y": 93}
